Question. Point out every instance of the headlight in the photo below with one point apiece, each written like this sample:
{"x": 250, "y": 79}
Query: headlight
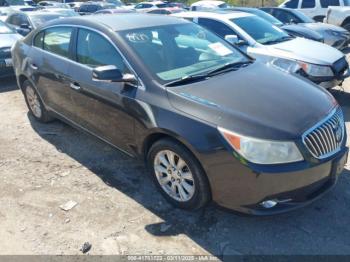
{"x": 293, "y": 66}
{"x": 261, "y": 151}
{"x": 316, "y": 70}
{"x": 337, "y": 33}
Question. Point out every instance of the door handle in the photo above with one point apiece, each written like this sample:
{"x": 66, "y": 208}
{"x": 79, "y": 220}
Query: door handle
{"x": 75, "y": 86}
{"x": 34, "y": 66}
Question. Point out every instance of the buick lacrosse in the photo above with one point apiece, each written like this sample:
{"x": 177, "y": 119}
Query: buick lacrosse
{"x": 210, "y": 122}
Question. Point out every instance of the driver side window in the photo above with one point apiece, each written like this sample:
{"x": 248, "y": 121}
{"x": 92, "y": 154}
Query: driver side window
{"x": 94, "y": 50}
{"x": 217, "y": 27}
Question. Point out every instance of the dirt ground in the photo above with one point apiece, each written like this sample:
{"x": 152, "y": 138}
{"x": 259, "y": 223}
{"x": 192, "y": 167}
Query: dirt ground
{"x": 119, "y": 210}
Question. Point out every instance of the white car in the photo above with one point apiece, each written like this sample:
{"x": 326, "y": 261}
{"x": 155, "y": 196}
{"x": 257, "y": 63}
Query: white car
{"x": 339, "y": 16}
{"x": 320, "y": 63}
{"x": 208, "y": 5}
{"x": 316, "y": 9}
{"x": 147, "y": 6}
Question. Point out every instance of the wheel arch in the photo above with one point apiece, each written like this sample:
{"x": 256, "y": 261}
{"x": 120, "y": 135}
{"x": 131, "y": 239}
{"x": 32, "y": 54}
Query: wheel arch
{"x": 152, "y": 138}
{"x": 346, "y": 21}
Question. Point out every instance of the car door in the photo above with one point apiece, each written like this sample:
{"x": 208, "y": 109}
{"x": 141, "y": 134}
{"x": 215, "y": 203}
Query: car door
{"x": 308, "y": 7}
{"x": 97, "y": 106}
{"x": 48, "y": 61}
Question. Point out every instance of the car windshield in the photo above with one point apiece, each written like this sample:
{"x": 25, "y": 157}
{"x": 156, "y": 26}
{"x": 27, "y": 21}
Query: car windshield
{"x": 260, "y": 30}
{"x": 4, "y": 29}
{"x": 173, "y": 52}
{"x": 267, "y": 17}
{"x": 38, "y": 20}
{"x": 302, "y": 17}
{"x": 347, "y": 2}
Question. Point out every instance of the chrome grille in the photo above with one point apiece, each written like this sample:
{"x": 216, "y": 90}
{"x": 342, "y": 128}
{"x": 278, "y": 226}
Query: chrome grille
{"x": 326, "y": 138}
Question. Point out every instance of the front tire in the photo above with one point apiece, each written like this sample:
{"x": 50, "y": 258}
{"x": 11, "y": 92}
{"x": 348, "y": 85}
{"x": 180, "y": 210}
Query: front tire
{"x": 178, "y": 175}
{"x": 34, "y": 103}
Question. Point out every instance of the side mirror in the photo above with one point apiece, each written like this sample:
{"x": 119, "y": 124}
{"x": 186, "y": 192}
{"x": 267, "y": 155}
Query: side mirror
{"x": 234, "y": 40}
{"x": 111, "y": 73}
{"x": 292, "y": 21}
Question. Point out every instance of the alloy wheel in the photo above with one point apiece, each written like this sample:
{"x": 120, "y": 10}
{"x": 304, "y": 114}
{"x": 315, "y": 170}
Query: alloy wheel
{"x": 174, "y": 175}
{"x": 33, "y": 102}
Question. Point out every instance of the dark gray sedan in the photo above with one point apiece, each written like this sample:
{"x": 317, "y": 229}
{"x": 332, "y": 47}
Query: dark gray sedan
{"x": 8, "y": 38}
{"x": 335, "y": 36}
{"x": 210, "y": 122}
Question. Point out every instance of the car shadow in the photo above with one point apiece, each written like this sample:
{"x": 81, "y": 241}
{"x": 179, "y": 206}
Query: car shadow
{"x": 321, "y": 228}
{"x": 8, "y": 84}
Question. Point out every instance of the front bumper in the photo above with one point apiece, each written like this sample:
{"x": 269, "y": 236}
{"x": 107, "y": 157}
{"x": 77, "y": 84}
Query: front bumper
{"x": 6, "y": 69}
{"x": 240, "y": 188}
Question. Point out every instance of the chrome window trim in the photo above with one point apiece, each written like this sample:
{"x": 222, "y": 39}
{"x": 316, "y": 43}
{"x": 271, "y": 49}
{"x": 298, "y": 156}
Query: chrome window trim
{"x": 140, "y": 86}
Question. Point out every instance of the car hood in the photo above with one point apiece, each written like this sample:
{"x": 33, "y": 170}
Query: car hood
{"x": 321, "y": 27}
{"x": 303, "y": 50}
{"x": 257, "y": 101}
{"x": 8, "y": 40}
{"x": 303, "y": 31}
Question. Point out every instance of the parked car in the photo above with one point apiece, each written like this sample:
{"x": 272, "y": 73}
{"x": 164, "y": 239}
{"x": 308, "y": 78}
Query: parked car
{"x": 291, "y": 29}
{"x": 327, "y": 66}
{"x": 6, "y": 10}
{"x": 315, "y": 9}
{"x": 178, "y": 5}
{"x": 166, "y": 11}
{"x": 25, "y": 22}
{"x": 114, "y": 11}
{"x": 333, "y": 35}
{"x": 75, "y": 5}
{"x": 339, "y": 16}
{"x": 53, "y": 4}
{"x": 92, "y": 7}
{"x": 210, "y": 122}
{"x": 8, "y": 37}
{"x": 208, "y": 5}
{"x": 62, "y": 11}
{"x": 147, "y": 6}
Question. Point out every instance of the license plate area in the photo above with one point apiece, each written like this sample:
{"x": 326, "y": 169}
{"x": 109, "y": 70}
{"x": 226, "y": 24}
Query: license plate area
{"x": 8, "y": 62}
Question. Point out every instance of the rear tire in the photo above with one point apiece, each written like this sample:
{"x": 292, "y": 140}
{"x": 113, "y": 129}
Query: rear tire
{"x": 34, "y": 103}
{"x": 178, "y": 175}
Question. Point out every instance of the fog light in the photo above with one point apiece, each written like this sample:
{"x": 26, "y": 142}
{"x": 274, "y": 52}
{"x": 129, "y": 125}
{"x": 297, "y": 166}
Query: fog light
{"x": 268, "y": 203}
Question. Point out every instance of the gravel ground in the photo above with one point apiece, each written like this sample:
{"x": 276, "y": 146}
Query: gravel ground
{"x": 118, "y": 209}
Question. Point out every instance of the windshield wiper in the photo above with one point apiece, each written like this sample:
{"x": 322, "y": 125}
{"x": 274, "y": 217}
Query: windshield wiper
{"x": 194, "y": 78}
{"x": 279, "y": 40}
{"x": 187, "y": 79}
{"x": 229, "y": 67}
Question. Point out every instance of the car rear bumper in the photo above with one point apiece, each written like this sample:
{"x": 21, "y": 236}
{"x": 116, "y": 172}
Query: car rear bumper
{"x": 241, "y": 189}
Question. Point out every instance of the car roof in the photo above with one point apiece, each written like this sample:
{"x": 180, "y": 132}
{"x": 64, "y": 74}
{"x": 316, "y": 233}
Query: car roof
{"x": 124, "y": 21}
{"x": 218, "y": 14}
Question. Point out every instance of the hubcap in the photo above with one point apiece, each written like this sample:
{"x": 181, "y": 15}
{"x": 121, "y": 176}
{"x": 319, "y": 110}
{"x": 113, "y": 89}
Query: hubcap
{"x": 33, "y": 101}
{"x": 174, "y": 175}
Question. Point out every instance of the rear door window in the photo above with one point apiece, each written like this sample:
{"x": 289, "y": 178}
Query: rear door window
{"x": 326, "y": 3}
{"x": 57, "y": 40}
{"x": 308, "y": 4}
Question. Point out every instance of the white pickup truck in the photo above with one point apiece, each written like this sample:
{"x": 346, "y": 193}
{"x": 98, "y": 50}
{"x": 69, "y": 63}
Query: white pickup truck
{"x": 339, "y": 16}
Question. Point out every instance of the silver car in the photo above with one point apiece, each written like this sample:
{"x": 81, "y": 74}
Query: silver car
{"x": 333, "y": 35}
{"x": 8, "y": 38}
{"x": 320, "y": 63}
